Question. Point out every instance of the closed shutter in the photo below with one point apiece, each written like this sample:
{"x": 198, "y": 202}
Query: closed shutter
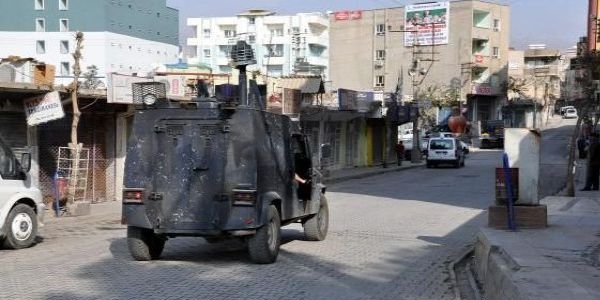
{"x": 13, "y": 129}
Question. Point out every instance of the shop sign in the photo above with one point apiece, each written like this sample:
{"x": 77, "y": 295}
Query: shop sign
{"x": 43, "y": 109}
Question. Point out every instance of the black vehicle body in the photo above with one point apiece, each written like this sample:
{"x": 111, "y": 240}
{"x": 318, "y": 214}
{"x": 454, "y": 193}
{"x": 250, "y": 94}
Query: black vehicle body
{"x": 492, "y": 134}
{"x": 203, "y": 169}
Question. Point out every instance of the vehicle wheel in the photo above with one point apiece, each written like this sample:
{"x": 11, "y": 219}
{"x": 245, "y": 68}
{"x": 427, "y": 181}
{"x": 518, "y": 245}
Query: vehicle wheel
{"x": 428, "y": 164}
{"x": 263, "y": 246}
{"x": 315, "y": 227}
{"x": 21, "y": 227}
{"x": 457, "y": 163}
{"x": 144, "y": 244}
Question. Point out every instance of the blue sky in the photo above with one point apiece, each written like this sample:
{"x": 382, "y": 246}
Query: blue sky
{"x": 557, "y": 23}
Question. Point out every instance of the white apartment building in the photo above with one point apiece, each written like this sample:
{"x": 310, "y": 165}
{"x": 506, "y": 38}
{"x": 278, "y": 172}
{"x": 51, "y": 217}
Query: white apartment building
{"x": 129, "y": 36}
{"x": 283, "y": 45}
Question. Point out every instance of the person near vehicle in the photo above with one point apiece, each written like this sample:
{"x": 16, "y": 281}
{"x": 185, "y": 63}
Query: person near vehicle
{"x": 581, "y": 146}
{"x": 400, "y": 152}
{"x": 593, "y": 172}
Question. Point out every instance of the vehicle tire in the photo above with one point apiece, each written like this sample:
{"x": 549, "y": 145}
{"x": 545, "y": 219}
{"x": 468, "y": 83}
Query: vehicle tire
{"x": 457, "y": 163}
{"x": 144, "y": 244}
{"x": 428, "y": 164}
{"x": 263, "y": 246}
{"x": 20, "y": 227}
{"x": 316, "y": 227}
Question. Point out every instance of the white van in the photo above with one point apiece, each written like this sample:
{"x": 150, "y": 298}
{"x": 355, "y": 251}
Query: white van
{"x": 21, "y": 205}
{"x": 445, "y": 150}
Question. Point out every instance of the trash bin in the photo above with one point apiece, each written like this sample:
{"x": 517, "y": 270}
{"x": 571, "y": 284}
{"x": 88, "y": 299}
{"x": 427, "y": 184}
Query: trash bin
{"x": 501, "y": 192}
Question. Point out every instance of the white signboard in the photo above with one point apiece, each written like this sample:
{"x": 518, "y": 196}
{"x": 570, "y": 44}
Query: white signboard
{"x": 175, "y": 84}
{"x": 119, "y": 88}
{"x": 429, "y": 21}
{"x": 43, "y": 109}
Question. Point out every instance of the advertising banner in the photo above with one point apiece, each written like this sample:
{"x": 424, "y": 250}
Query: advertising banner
{"x": 429, "y": 21}
{"x": 43, "y": 109}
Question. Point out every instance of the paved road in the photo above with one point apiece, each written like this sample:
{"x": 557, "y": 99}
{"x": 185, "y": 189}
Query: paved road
{"x": 392, "y": 236}
{"x": 553, "y": 167}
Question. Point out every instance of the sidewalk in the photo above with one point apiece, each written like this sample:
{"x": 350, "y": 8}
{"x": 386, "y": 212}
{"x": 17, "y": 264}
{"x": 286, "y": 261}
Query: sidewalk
{"x": 559, "y": 262}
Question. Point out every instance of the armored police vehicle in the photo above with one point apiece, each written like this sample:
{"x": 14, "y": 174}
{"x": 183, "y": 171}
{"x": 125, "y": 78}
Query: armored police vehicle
{"x": 211, "y": 169}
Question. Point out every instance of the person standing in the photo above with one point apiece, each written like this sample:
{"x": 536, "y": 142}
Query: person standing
{"x": 400, "y": 152}
{"x": 593, "y": 172}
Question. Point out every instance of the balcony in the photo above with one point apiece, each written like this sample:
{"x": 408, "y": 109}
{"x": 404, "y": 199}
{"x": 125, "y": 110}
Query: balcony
{"x": 317, "y": 40}
{"x": 275, "y": 60}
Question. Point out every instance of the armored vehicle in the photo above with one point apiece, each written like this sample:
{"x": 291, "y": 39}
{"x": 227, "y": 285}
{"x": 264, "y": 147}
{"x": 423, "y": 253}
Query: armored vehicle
{"x": 211, "y": 169}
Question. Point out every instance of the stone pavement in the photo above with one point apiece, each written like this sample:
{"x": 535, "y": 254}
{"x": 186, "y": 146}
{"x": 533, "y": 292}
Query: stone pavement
{"x": 559, "y": 262}
{"x": 333, "y": 176}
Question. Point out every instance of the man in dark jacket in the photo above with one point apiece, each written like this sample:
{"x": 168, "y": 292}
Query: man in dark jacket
{"x": 400, "y": 152}
{"x": 593, "y": 172}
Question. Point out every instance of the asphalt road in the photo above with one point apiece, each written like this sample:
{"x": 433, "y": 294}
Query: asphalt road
{"x": 392, "y": 236}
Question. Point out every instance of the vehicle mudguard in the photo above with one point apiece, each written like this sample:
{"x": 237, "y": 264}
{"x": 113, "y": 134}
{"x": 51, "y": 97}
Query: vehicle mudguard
{"x": 135, "y": 215}
{"x": 266, "y": 200}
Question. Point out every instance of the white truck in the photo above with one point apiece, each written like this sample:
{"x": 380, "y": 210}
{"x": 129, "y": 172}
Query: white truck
{"x": 21, "y": 204}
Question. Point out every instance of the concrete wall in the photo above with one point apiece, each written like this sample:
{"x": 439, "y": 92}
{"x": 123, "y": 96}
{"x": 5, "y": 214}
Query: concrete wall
{"x": 110, "y": 52}
{"x": 523, "y": 147}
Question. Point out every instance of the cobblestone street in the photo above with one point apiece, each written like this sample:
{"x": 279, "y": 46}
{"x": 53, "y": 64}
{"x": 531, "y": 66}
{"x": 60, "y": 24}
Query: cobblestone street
{"x": 392, "y": 236}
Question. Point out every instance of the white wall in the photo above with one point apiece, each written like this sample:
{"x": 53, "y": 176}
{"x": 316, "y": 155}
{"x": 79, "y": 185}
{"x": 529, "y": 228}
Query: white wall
{"x": 110, "y": 52}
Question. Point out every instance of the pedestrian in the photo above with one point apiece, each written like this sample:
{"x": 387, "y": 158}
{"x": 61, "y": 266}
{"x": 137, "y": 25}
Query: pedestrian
{"x": 581, "y": 146}
{"x": 400, "y": 152}
{"x": 593, "y": 171}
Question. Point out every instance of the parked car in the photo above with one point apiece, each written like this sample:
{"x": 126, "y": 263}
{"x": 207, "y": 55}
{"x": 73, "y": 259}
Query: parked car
{"x": 570, "y": 113}
{"x": 564, "y": 109}
{"x": 445, "y": 150}
{"x": 465, "y": 146}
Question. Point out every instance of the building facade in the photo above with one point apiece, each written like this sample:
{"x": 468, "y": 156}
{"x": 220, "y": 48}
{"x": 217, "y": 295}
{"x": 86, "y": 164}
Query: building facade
{"x": 537, "y": 75}
{"x": 124, "y": 36}
{"x": 458, "y": 45}
{"x": 283, "y": 45}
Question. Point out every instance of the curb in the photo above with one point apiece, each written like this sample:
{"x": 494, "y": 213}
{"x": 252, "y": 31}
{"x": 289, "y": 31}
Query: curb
{"x": 470, "y": 251}
{"x": 341, "y": 178}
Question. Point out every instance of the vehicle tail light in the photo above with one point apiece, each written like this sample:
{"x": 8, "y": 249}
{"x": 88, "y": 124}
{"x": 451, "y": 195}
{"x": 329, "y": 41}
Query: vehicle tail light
{"x": 244, "y": 197}
{"x": 133, "y": 196}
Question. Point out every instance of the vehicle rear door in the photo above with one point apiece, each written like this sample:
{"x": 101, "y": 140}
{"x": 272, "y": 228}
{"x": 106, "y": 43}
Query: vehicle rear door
{"x": 188, "y": 173}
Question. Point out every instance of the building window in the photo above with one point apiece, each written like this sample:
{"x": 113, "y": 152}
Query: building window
{"x": 277, "y": 32}
{"x": 64, "y": 25}
{"x": 158, "y": 15}
{"x": 40, "y": 25}
{"x": 64, "y": 47}
{"x": 229, "y": 33}
{"x": 495, "y": 52}
{"x": 380, "y": 29}
{"x": 380, "y": 55}
{"x": 251, "y": 39}
{"x": 64, "y": 68}
{"x": 39, "y": 4}
{"x": 40, "y": 47}
{"x": 379, "y": 81}
{"x": 63, "y": 4}
{"x": 206, "y": 53}
{"x": 206, "y": 33}
{"x": 496, "y": 25}
{"x": 251, "y": 20}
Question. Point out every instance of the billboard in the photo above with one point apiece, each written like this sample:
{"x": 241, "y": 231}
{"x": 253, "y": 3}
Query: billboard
{"x": 429, "y": 23}
{"x": 43, "y": 109}
{"x": 347, "y": 15}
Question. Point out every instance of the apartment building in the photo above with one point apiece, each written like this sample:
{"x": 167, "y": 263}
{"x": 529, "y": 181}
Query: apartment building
{"x": 459, "y": 44}
{"x": 125, "y": 36}
{"x": 283, "y": 45}
{"x": 536, "y": 75}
